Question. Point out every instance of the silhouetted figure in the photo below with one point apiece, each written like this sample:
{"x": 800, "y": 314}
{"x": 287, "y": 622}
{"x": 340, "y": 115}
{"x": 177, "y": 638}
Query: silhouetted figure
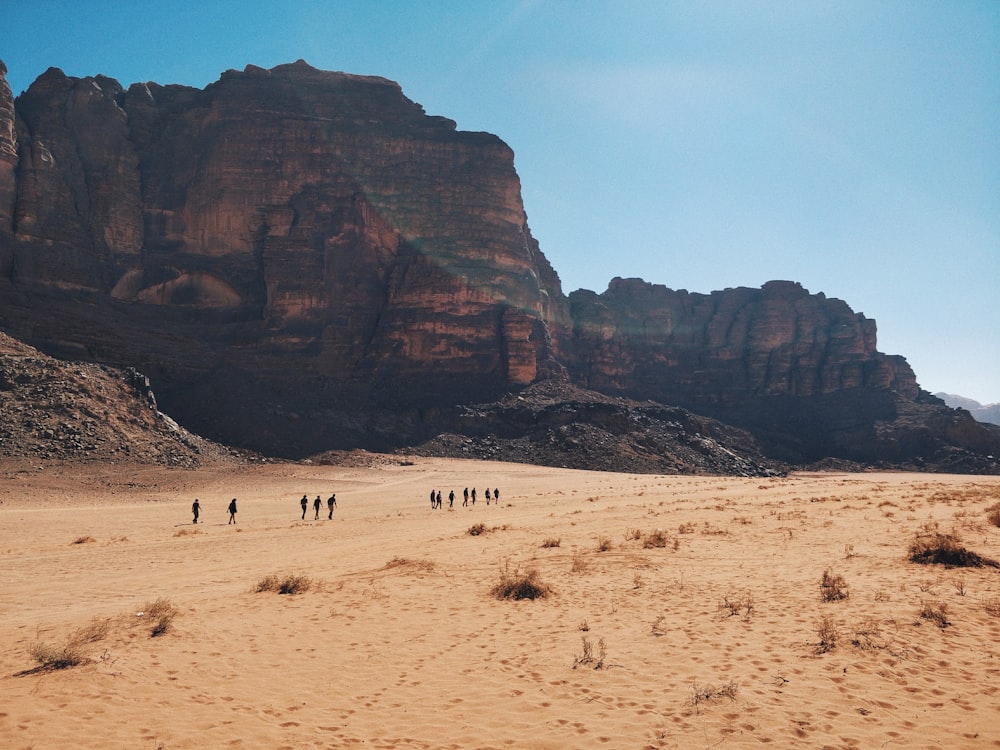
{"x": 451, "y": 499}
{"x": 487, "y": 495}
{"x": 433, "y": 499}
{"x": 232, "y": 511}
{"x": 465, "y": 496}
{"x": 195, "y": 510}
{"x": 439, "y": 499}
{"x": 316, "y": 506}
{"x": 331, "y": 503}
{"x": 496, "y": 495}
{"x": 304, "y": 502}
{"x": 473, "y": 496}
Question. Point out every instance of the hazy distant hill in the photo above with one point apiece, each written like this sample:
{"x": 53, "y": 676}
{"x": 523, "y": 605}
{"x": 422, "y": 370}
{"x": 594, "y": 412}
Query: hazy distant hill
{"x": 989, "y": 413}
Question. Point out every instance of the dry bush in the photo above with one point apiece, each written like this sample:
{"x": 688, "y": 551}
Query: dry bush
{"x": 515, "y": 584}
{"x": 932, "y": 546}
{"x": 83, "y": 540}
{"x": 587, "y": 656}
{"x": 633, "y": 535}
{"x": 53, "y": 657}
{"x": 288, "y": 584}
{"x": 405, "y": 562}
{"x": 160, "y": 614}
{"x": 868, "y": 635}
{"x": 735, "y": 605}
{"x": 936, "y": 612}
{"x": 655, "y": 539}
{"x": 708, "y": 693}
{"x": 992, "y": 606}
{"x": 828, "y": 634}
{"x": 579, "y": 564}
{"x": 685, "y": 528}
{"x": 477, "y": 529}
{"x": 96, "y": 630}
{"x": 833, "y": 587}
{"x": 657, "y": 628}
{"x": 603, "y": 543}
{"x": 993, "y": 514}
{"x": 550, "y": 543}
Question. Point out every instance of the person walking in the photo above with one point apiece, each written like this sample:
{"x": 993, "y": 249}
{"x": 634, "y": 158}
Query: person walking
{"x": 439, "y": 500}
{"x": 232, "y": 511}
{"x": 465, "y": 498}
{"x": 304, "y": 502}
{"x": 316, "y": 506}
{"x": 473, "y": 497}
{"x": 451, "y": 499}
{"x": 195, "y": 510}
{"x": 331, "y": 503}
{"x": 433, "y": 499}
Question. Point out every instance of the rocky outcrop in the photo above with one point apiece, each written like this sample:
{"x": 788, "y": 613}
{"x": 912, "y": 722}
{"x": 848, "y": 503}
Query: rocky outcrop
{"x": 800, "y": 370}
{"x": 303, "y": 260}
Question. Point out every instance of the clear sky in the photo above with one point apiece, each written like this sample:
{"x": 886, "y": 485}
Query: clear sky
{"x": 853, "y": 146}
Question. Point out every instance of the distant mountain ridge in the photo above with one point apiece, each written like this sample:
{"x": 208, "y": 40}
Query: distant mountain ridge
{"x": 302, "y": 260}
{"x": 988, "y": 413}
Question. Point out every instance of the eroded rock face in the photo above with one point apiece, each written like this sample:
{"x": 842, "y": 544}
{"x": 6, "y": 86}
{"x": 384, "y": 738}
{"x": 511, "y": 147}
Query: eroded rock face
{"x": 303, "y": 260}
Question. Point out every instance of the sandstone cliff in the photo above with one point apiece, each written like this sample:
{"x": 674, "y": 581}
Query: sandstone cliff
{"x": 303, "y": 260}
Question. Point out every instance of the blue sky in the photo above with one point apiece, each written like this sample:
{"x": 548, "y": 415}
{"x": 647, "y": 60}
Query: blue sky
{"x": 851, "y": 146}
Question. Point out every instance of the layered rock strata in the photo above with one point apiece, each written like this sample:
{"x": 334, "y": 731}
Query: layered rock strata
{"x": 303, "y": 260}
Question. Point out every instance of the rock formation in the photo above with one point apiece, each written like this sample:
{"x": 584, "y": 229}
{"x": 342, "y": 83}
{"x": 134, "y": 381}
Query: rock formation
{"x": 303, "y": 260}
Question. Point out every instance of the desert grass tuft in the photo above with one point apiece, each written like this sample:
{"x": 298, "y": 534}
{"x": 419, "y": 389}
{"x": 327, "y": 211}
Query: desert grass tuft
{"x": 738, "y": 605}
{"x": 828, "y": 634}
{"x": 54, "y": 657}
{"x": 993, "y": 514}
{"x": 160, "y": 615}
{"x": 516, "y": 584}
{"x": 587, "y": 658}
{"x": 655, "y": 539}
{"x": 992, "y": 606}
{"x": 603, "y": 543}
{"x": 287, "y": 584}
{"x": 550, "y": 543}
{"x": 833, "y": 587}
{"x": 935, "y": 612}
{"x": 708, "y": 693}
{"x": 930, "y": 546}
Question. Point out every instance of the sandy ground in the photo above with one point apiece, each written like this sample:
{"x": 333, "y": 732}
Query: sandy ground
{"x": 710, "y": 641}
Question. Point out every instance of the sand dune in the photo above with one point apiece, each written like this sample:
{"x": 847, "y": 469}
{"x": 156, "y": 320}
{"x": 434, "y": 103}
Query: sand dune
{"x": 711, "y": 640}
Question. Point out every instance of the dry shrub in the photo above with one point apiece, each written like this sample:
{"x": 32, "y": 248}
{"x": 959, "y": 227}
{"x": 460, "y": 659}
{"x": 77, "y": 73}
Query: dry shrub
{"x": 708, "y": 693}
{"x": 655, "y": 539}
{"x": 828, "y": 634}
{"x": 515, "y": 584}
{"x": 405, "y": 562}
{"x": 833, "y": 587}
{"x": 993, "y": 514}
{"x": 633, "y": 535}
{"x": 734, "y": 605}
{"x": 932, "y": 546}
{"x": 96, "y": 630}
{"x": 288, "y": 584}
{"x": 936, "y": 612}
{"x": 603, "y": 543}
{"x": 550, "y": 543}
{"x": 992, "y": 606}
{"x": 53, "y": 657}
{"x": 579, "y": 564}
{"x": 477, "y": 529}
{"x": 84, "y": 540}
{"x": 160, "y": 614}
{"x": 868, "y": 635}
{"x": 587, "y": 656}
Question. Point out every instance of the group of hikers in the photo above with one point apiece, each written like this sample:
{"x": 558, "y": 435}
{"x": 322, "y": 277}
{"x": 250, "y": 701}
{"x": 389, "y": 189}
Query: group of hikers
{"x": 331, "y": 504}
{"x": 196, "y": 510}
{"x": 493, "y": 495}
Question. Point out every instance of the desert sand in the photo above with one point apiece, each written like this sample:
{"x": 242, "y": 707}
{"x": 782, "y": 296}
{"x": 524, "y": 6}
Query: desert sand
{"x": 712, "y": 640}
